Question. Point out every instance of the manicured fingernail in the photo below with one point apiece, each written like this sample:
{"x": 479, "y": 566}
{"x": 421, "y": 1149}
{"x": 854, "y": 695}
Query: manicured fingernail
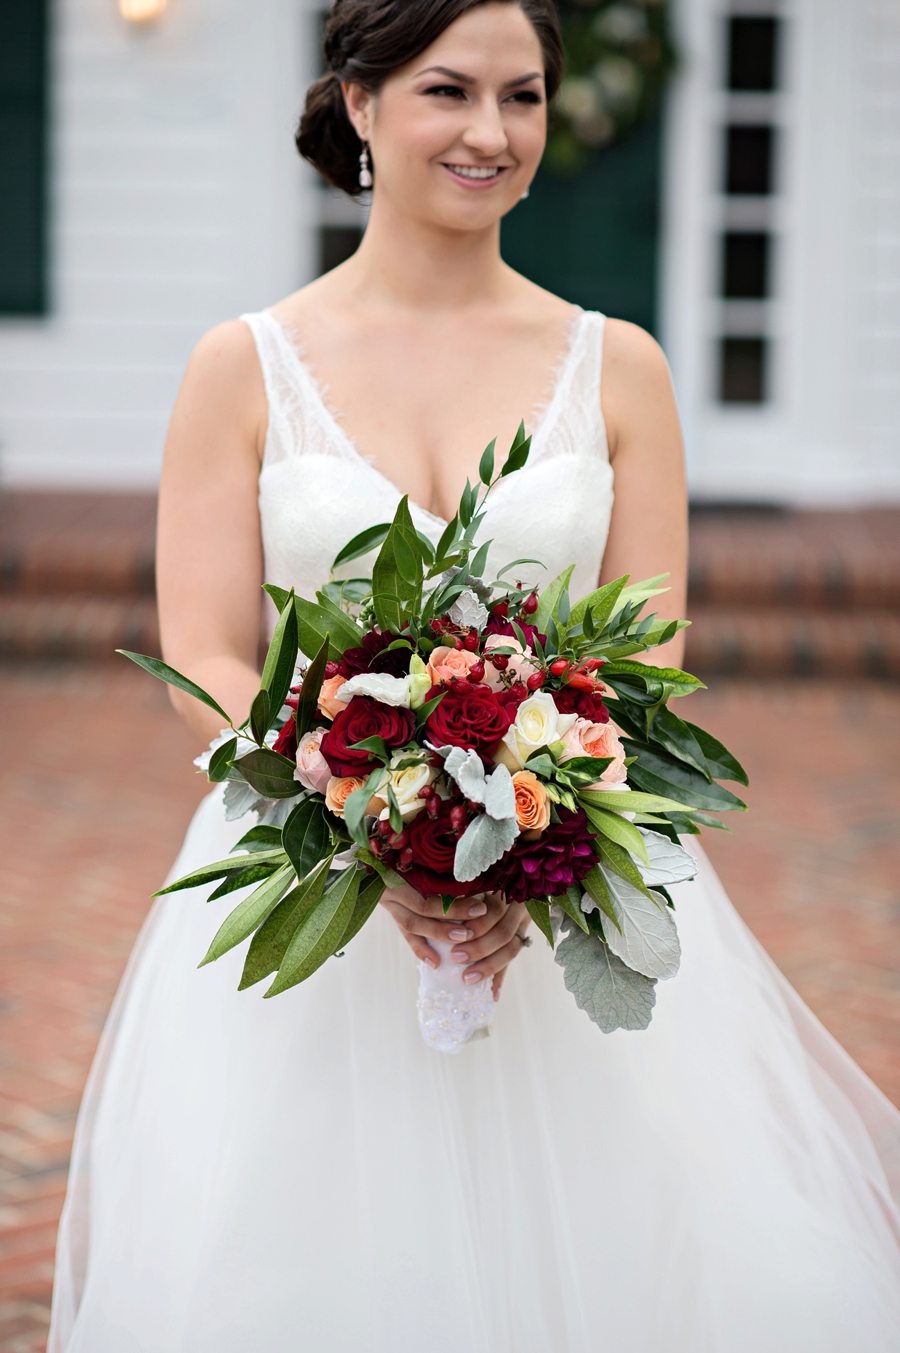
{"x": 459, "y": 956}
{"x": 478, "y": 909}
{"x": 471, "y": 977}
{"x": 432, "y": 960}
{"x": 457, "y": 933}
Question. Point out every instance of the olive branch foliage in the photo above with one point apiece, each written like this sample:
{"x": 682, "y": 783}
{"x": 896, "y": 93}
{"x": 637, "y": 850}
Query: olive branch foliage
{"x": 307, "y": 905}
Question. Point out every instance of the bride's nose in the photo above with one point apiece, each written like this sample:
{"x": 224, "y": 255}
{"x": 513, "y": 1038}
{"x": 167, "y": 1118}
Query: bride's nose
{"x": 485, "y": 133}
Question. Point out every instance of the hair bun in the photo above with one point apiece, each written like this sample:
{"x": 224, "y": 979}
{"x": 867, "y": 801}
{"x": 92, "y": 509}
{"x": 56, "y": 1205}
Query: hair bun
{"x": 326, "y": 136}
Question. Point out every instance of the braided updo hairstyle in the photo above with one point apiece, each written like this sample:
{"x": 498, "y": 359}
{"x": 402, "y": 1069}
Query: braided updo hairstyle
{"x": 365, "y": 40}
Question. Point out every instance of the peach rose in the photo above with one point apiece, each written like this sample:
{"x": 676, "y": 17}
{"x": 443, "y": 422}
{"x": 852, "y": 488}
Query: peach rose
{"x": 312, "y": 768}
{"x": 597, "y": 739}
{"x": 447, "y": 665}
{"x": 339, "y": 789}
{"x": 532, "y": 804}
{"x": 329, "y": 705}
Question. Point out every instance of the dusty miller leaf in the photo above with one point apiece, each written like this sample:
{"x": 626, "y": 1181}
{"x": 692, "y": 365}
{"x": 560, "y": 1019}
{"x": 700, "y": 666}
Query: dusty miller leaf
{"x": 500, "y": 795}
{"x": 607, "y": 991}
{"x": 482, "y": 844}
{"x": 240, "y": 798}
{"x": 466, "y": 768}
{"x": 647, "y": 940}
{"x": 668, "y": 863}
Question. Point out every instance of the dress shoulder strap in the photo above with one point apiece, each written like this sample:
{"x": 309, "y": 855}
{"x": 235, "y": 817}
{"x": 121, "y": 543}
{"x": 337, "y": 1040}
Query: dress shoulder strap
{"x": 574, "y": 420}
{"x": 289, "y": 401}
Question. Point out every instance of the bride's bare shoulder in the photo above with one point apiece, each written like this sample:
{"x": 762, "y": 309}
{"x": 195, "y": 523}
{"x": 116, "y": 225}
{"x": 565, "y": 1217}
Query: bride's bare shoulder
{"x": 631, "y": 354}
{"x": 224, "y": 355}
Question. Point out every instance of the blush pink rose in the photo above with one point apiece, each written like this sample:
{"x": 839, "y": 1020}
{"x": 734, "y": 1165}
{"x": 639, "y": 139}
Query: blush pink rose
{"x": 597, "y": 739}
{"x": 447, "y": 665}
{"x": 521, "y": 663}
{"x": 312, "y": 769}
{"x": 329, "y": 705}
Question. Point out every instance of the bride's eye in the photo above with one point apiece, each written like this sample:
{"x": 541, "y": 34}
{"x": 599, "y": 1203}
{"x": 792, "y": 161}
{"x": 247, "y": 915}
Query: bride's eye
{"x": 447, "y": 91}
{"x": 526, "y": 96}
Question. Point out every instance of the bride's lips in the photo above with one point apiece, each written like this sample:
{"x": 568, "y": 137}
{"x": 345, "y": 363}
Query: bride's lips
{"x": 480, "y": 179}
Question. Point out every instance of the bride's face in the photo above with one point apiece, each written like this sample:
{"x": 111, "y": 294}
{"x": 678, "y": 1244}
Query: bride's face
{"x": 457, "y": 135}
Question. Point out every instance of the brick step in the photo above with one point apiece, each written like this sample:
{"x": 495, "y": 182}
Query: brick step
{"x": 100, "y": 543}
{"x": 76, "y": 626}
{"x": 792, "y": 643}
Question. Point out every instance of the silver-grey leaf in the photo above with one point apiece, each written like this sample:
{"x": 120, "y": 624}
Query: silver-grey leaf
{"x": 467, "y": 769}
{"x": 279, "y": 810}
{"x": 240, "y": 798}
{"x": 648, "y": 940}
{"x": 607, "y": 991}
{"x": 668, "y": 863}
{"x": 482, "y": 844}
{"x": 500, "y": 795}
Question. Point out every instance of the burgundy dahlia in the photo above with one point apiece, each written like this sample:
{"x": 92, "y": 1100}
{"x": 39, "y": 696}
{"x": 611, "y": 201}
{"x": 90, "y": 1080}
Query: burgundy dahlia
{"x": 587, "y": 704}
{"x": 371, "y": 656}
{"x": 561, "y": 856}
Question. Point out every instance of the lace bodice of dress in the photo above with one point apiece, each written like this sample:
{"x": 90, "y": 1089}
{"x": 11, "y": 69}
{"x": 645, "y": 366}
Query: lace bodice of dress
{"x": 316, "y": 491}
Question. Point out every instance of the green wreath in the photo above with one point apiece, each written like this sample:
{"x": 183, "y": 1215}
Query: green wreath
{"x": 618, "y": 56}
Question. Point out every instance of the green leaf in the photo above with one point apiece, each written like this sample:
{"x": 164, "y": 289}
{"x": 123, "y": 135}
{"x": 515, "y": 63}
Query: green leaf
{"x": 242, "y": 878}
{"x": 356, "y": 805}
{"x": 320, "y": 932}
{"x": 249, "y": 914}
{"x": 375, "y": 746}
{"x": 596, "y": 889}
{"x": 451, "y": 531}
{"x": 408, "y": 560}
{"x": 344, "y": 632}
{"x": 540, "y": 914}
{"x": 305, "y": 836}
{"x": 220, "y": 761}
{"x": 156, "y": 667}
{"x": 600, "y": 602}
{"x": 315, "y": 622}
{"x": 617, "y": 829}
{"x": 426, "y": 548}
{"x": 269, "y": 944}
{"x": 549, "y": 598}
{"x": 572, "y": 910}
{"x": 477, "y": 566}
{"x": 281, "y": 659}
{"x": 486, "y": 465}
{"x": 269, "y": 773}
{"x": 618, "y": 859}
{"x": 518, "y": 453}
{"x": 636, "y": 594}
{"x": 367, "y": 900}
{"x": 395, "y": 816}
{"x": 424, "y": 713}
{"x": 308, "y": 703}
{"x": 364, "y": 543}
{"x": 669, "y": 680}
{"x": 467, "y": 503}
{"x": 628, "y": 801}
{"x": 387, "y": 876}
{"x": 723, "y": 765}
{"x": 658, "y": 773}
{"x": 260, "y": 838}
{"x": 515, "y": 563}
{"x": 678, "y": 739}
{"x": 218, "y": 869}
{"x": 259, "y": 715}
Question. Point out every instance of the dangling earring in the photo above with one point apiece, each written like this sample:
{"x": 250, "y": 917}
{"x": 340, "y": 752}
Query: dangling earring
{"x": 365, "y": 173}
{"x": 525, "y": 194}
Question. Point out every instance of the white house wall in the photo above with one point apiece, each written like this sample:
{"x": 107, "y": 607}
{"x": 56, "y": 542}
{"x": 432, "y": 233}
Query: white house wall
{"x": 831, "y": 432}
{"x": 177, "y": 201}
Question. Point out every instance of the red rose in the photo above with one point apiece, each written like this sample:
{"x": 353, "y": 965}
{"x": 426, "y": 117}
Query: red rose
{"x": 470, "y": 717}
{"x": 286, "y": 742}
{"x": 512, "y": 696}
{"x": 433, "y": 844}
{"x": 586, "y": 704}
{"x": 364, "y": 718}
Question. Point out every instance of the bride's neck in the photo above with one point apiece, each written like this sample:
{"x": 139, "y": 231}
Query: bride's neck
{"x": 414, "y": 264}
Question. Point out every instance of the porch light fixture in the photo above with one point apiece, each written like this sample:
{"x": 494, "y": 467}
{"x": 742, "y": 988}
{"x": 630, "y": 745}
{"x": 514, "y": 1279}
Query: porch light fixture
{"x": 141, "y": 11}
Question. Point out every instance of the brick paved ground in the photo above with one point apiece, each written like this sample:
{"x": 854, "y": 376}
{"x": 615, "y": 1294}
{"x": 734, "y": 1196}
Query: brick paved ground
{"x": 96, "y": 787}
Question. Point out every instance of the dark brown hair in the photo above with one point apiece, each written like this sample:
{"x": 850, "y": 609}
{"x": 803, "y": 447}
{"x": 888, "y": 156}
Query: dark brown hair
{"x": 365, "y": 40}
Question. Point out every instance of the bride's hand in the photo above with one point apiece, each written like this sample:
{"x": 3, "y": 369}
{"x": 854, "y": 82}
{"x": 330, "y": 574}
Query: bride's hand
{"x": 486, "y": 934}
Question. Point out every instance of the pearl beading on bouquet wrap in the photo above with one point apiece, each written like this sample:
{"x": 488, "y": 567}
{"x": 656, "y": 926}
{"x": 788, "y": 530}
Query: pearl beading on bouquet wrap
{"x": 450, "y": 1011}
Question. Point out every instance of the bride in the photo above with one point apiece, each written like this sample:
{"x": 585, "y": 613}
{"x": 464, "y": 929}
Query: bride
{"x": 304, "y": 1173}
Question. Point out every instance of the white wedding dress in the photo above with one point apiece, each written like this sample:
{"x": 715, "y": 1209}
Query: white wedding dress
{"x": 304, "y": 1175}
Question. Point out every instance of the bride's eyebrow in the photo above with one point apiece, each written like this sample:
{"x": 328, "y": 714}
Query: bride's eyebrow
{"x": 470, "y": 80}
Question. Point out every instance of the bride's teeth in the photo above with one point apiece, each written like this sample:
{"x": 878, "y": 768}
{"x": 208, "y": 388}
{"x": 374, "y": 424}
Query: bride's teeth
{"x": 468, "y": 171}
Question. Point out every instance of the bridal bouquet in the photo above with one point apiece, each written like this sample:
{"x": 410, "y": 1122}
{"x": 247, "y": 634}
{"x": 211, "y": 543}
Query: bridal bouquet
{"x": 428, "y": 727}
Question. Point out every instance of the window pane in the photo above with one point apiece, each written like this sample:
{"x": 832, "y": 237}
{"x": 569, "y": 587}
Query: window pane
{"x": 752, "y": 53}
{"x": 22, "y": 156}
{"x": 748, "y": 160}
{"x": 745, "y": 271}
{"x": 742, "y": 371}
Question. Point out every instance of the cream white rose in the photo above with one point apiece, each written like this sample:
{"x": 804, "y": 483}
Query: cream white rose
{"x": 538, "y": 723}
{"x": 406, "y": 784}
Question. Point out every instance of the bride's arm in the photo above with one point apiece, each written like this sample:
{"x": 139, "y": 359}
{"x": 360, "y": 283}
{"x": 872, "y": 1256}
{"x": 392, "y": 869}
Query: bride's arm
{"x": 648, "y": 531}
{"x": 209, "y": 554}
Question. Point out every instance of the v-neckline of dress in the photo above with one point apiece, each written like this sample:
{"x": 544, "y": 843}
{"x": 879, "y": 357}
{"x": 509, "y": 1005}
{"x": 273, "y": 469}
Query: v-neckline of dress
{"x": 541, "y": 411}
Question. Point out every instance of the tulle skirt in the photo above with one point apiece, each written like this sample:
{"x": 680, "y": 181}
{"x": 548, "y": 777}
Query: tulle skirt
{"x": 304, "y": 1174}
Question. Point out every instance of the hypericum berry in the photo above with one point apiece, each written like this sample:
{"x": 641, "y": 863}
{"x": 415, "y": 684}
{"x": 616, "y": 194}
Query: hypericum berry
{"x": 384, "y": 827}
{"x": 530, "y": 604}
{"x": 331, "y": 670}
{"x": 470, "y": 642}
{"x": 476, "y": 672}
{"x": 406, "y": 859}
{"x": 399, "y": 840}
{"x": 500, "y": 661}
{"x": 426, "y": 792}
{"x": 376, "y": 846}
{"x": 458, "y": 817}
{"x": 457, "y": 642}
{"x": 500, "y": 610}
{"x": 433, "y": 805}
{"x": 535, "y": 681}
{"x": 557, "y": 668}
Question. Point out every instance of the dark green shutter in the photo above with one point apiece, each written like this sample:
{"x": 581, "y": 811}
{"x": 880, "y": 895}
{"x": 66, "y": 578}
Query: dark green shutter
{"x": 594, "y": 239}
{"x": 23, "y": 135}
